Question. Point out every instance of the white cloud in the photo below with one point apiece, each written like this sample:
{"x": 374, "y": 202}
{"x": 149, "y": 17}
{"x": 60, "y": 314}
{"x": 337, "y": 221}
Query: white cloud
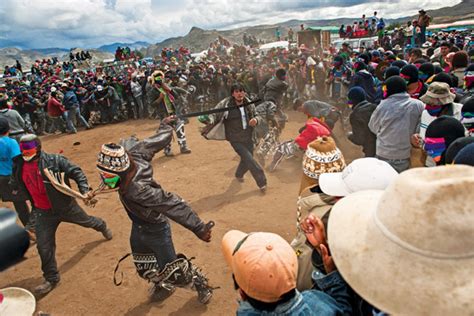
{"x": 72, "y": 23}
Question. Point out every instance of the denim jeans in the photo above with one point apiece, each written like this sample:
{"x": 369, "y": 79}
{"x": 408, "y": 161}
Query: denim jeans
{"x": 47, "y": 222}
{"x": 72, "y": 114}
{"x": 399, "y": 165}
{"x": 56, "y": 123}
{"x": 247, "y": 163}
{"x": 153, "y": 239}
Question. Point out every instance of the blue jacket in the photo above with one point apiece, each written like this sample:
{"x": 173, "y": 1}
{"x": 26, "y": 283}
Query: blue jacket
{"x": 70, "y": 100}
{"x": 334, "y": 299}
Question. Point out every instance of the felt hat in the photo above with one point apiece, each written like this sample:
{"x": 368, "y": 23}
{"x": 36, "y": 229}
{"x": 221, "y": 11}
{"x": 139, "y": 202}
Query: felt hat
{"x": 409, "y": 249}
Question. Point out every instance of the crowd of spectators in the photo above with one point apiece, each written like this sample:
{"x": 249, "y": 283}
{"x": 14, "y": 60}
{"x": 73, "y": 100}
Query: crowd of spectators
{"x": 399, "y": 102}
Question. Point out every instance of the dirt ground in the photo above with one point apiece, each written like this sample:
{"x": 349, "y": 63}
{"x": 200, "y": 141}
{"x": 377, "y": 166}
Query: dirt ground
{"x": 205, "y": 179}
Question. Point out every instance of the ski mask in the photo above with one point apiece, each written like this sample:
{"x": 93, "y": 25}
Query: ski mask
{"x": 30, "y": 147}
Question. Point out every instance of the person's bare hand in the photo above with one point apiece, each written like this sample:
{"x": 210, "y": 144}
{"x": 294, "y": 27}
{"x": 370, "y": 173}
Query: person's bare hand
{"x": 416, "y": 140}
{"x": 169, "y": 119}
{"x": 314, "y": 230}
{"x": 206, "y": 233}
{"x": 328, "y": 263}
{"x": 253, "y": 122}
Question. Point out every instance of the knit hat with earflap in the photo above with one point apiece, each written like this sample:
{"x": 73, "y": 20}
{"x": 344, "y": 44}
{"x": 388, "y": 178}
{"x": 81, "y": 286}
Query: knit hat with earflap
{"x": 321, "y": 156}
{"x": 395, "y": 84}
{"x": 113, "y": 158}
{"x": 410, "y": 73}
{"x": 441, "y": 133}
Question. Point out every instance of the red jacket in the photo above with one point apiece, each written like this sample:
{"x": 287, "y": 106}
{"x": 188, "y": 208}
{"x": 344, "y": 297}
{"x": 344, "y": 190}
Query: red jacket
{"x": 55, "y": 108}
{"x": 314, "y": 128}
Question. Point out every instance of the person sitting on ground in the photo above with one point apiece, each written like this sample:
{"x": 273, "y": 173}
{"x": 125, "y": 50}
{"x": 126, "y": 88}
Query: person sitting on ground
{"x": 264, "y": 269}
{"x": 359, "y": 118}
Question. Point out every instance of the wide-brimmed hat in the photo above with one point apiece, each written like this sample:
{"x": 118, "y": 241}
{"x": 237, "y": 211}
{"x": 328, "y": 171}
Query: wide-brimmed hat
{"x": 409, "y": 250}
{"x": 361, "y": 174}
{"x": 264, "y": 264}
{"x": 438, "y": 93}
{"x": 15, "y": 301}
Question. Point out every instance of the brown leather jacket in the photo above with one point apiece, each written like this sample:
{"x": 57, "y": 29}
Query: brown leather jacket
{"x": 143, "y": 197}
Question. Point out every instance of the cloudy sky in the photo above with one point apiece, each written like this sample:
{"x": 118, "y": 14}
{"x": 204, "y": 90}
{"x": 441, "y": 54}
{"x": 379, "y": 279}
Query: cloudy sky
{"x": 91, "y": 23}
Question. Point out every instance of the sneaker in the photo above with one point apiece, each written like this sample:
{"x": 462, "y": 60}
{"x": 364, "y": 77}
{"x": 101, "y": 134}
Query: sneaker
{"x": 277, "y": 158}
{"x": 185, "y": 150}
{"x": 159, "y": 293}
{"x": 45, "y": 287}
{"x": 263, "y": 188}
{"x": 107, "y": 233}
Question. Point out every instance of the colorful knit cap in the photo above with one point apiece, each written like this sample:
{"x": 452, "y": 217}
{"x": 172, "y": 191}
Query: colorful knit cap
{"x": 113, "y": 158}
{"x": 322, "y": 156}
{"x": 435, "y": 147}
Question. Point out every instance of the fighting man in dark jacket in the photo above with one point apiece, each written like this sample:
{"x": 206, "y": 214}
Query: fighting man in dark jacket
{"x": 50, "y": 206}
{"x": 128, "y": 170}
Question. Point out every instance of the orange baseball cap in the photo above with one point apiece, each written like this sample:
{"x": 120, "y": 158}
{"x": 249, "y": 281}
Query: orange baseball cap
{"x": 264, "y": 264}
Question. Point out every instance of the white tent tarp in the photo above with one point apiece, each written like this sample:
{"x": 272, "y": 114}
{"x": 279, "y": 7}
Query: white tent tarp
{"x": 268, "y": 46}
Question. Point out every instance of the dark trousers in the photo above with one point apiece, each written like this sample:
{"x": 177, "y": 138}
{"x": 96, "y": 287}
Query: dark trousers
{"x": 247, "y": 163}
{"x": 47, "y": 222}
{"x": 153, "y": 239}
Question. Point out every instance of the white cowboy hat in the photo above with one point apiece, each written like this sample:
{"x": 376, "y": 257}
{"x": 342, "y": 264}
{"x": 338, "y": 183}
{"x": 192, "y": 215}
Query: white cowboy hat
{"x": 15, "y": 301}
{"x": 409, "y": 250}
